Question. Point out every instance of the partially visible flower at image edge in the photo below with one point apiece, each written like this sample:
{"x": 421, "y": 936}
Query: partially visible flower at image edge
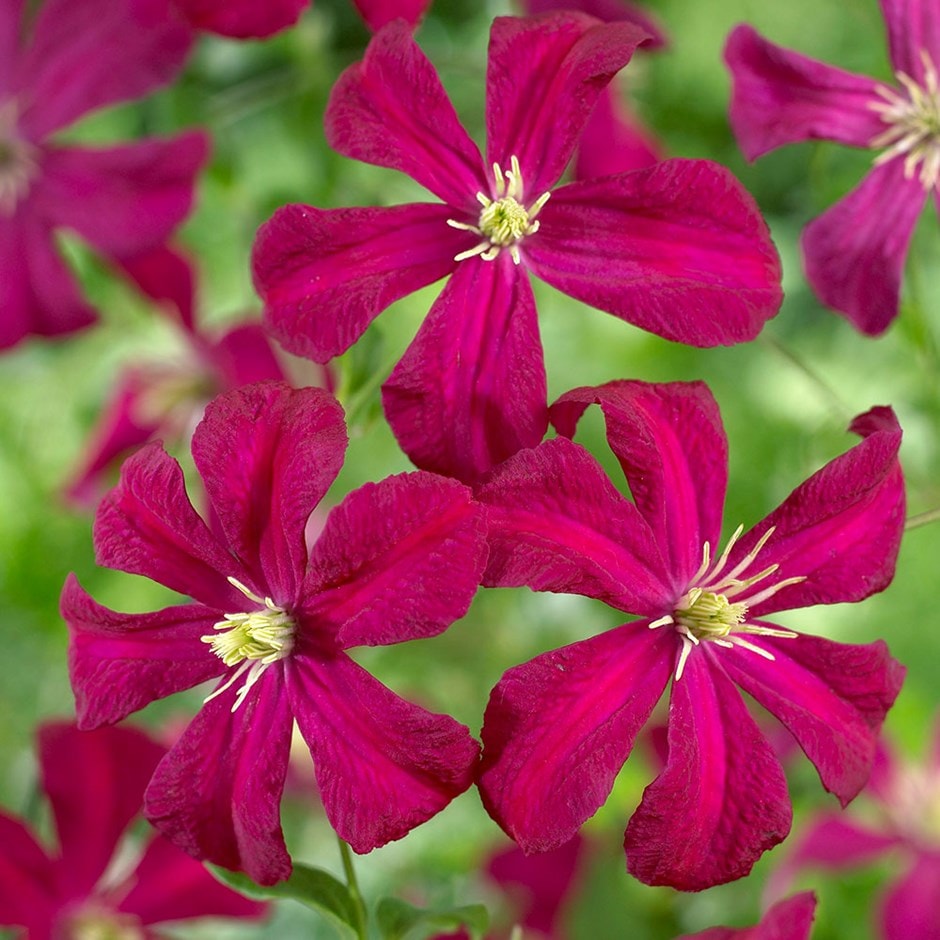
{"x": 271, "y": 621}
{"x": 790, "y": 919}
{"x": 558, "y": 729}
{"x": 854, "y": 253}
{"x": 905, "y": 825}
{"x": 94, "y": 781}
{"x": 121, "y": 199}
{"x": 678, "y": 249}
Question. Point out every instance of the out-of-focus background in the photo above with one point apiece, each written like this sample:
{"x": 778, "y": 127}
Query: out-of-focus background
{"x": 786, "y": 399}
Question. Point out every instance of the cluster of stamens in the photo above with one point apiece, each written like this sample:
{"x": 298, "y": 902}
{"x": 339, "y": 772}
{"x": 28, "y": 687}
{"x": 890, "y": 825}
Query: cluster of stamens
{"x": 504, "y": 220}
{"x": 18, "y": 164}
{"x": 254, "y": 640}
{"x": 913, "y": 115}
{"x": 104, "y": 924}
{"x": 707, "y": 612}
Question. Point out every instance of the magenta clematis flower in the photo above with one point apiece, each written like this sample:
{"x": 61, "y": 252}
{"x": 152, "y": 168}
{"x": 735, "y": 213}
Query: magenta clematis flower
{"x": 905, "y": 823}
{"x": 165, "y": 400}
{"x": 123, "y": 199}
{"x": 678, "y": 249}
{"x": 95, "y": 784}
{"x": 395, "y": 561}
{"x": 854, "y": 253}
{"x": 249, "y": 19}
{"x": 791, "y": 919}
{"x": 614, "y": 140}
{"x": 558, "y": 729}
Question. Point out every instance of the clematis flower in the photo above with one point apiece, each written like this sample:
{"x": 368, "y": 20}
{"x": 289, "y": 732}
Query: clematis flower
{"x": 614, "y": 140}
{"x": 791, "y": 919}
{"x": 905, "y": 824}
{"x": 558, "y": 729}
{"x": 123, "y": 199}
{"x": 95, "y": 784}
{"x": 272, "y": 621}
{"x": 854, "y": 253}
{"x": 165, "y": 400}
{"x": 678, "y": 249}
{"x": 249, "y": 19}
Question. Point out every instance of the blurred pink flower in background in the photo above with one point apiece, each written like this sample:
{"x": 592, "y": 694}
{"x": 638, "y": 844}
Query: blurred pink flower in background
{"x": 82, "y": 55}
{"x": 558, "y": 729}
{"x": 905, "y": 824}
{"x": 791, "y": 919}
{"x": 94, "y": 883}
{"x": 854, "y": 253}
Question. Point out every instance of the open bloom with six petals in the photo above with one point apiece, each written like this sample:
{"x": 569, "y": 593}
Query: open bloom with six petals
{"x": 854, "y": 253}
{"x": 678, "y": 249}
{"x": 558, "y": 728}
{"x": 122, "y": 200}
{"x": 272, "y": 620}
{"x": 95, "y": 783}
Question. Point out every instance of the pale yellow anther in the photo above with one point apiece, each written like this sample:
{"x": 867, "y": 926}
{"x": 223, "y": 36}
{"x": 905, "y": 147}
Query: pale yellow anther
{"x": 505, "y": 220}
{"x": 18, "y": 161}
{"x": 912, "y": 113}
{"x": 251, "y": 640}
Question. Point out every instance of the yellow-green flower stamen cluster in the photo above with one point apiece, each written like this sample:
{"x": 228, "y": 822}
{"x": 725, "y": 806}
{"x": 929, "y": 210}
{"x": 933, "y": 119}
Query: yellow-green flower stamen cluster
{"x": 504, "y": 220}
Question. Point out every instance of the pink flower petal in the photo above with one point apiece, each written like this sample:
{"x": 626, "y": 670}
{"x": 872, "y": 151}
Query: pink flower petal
{"x": 267, "y": 455}
{"x": 610, "y": 11}
{"x": 27, "y": 880}
{"x": 124, "y": 199}
{"x": 722, "y": 800}
{"x": 397, "y": 560}
{"x": 146, "y": 525}
{"x": 840, "y": 529}
{"x": 832, "y": 697}
{"x": 558, "y": 729}
{"x": 87, "y": 55}
{"x": 791, "y": 919}
{"x": 391, "y": 109}
{"x": 168, "y": 884}
{"x": 378, "y": 13}
{"x": 324, "y": 275}
{"x": 913, "y": 27}
{"x": 216, "y": 795}
{"x": 543, "y": 77}
{"x": 678, "y": 249}
{"x": 243, "y": 355}
{"x": 383, "y": 764}
{"x": 95, "y": 781}
{"x": 164, "y": 275}
{"x": 672, "y": 448}
{"x": 909, "y": 910}
{"x": 119, "y": 663}
{"x": 829, "y": 841}
{"x": 38, "y": 294}
{"x": 10, "y": 19}
{"x": 614, "y": 141}
{"x": 854, "y": 252}
{"x": 556, "y": 523}
{"x": 242, "y": 19}
{"x": 470, "y": 390}
{"x": 780, "y": 97}
{"x": 122, "y": 426}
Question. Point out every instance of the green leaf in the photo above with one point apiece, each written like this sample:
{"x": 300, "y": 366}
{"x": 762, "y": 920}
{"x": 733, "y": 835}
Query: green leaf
{"x": 397, "y": 919}
{"x": 310, "y": 886}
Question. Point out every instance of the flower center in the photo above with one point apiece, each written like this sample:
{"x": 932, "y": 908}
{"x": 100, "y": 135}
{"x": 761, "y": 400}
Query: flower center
{"x": 913, "y": 805}
{"x": 706, "y": 611}
{"x": 504, "y": 220}
{"x": 254, "y": 639}
{"x": 913, "y": 115}
{"x": 101, "y": 924}
{"x": 18, "y": 163}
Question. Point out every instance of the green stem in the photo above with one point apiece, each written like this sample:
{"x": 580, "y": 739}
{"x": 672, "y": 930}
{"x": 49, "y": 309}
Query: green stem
{"x": 353, "y": 885}
{"x": 922, "y": 518}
